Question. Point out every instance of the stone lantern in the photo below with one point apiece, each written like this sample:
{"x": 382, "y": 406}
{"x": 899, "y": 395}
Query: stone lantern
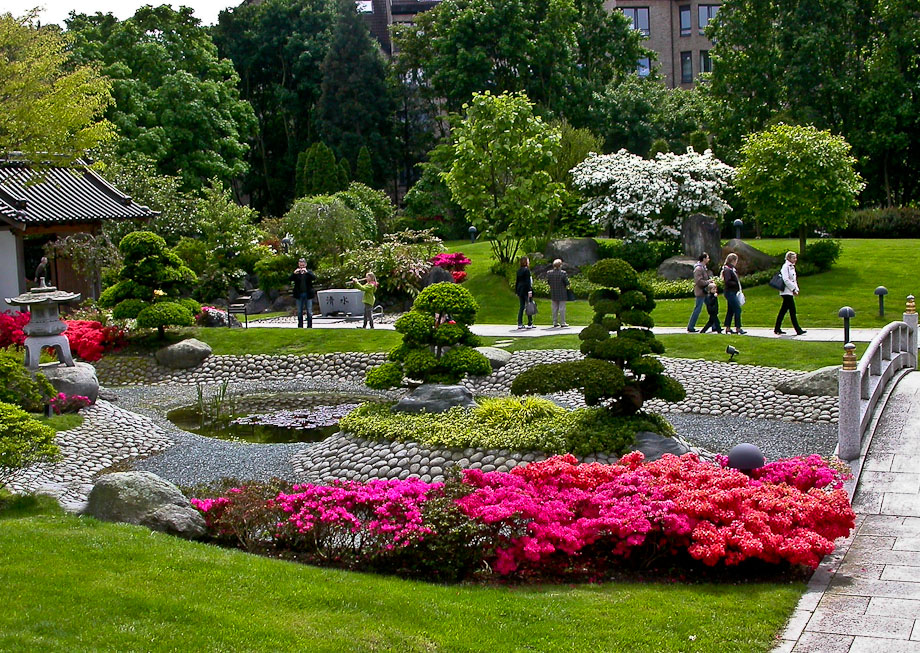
{"x": 45, "y": 327}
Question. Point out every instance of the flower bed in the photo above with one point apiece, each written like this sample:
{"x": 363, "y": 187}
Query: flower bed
{"x": 88, "y": 339}
{"x": 547, "y": 520}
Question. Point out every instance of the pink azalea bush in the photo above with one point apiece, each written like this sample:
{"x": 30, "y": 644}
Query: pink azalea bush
{"x": 556, "y": 517}
{"x": 64, "y": 403}
{"x": 454, "y": 263}
{"x": 11, "y": 325}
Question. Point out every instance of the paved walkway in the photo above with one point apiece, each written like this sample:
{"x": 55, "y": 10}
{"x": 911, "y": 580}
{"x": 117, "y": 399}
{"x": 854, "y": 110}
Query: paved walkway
{"x": 502, "y": 330}
{"x": 866, "y": 595}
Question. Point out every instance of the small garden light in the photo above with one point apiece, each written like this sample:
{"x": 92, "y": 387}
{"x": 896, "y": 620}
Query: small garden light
{"x": 472, "y": 234}
{"x": 732, "y": 352}
{"x": 846, "y": 313}
{"x": 738, "y": 224}
{"x": 881, "y": 291}
{"x": 744, "y": 457}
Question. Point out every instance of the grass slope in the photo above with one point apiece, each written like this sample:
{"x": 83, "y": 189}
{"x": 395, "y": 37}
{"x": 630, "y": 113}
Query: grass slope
{"x": 76, "y": 584}
{"x": 864, "y": 264}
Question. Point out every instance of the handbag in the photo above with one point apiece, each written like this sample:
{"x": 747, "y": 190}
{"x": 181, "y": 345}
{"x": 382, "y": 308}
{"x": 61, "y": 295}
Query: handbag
{"x": 741, "y": 298}
{"x": 569, "y": 295}
{"x": 777, "y": 282}
{"x": 530, "y": 307}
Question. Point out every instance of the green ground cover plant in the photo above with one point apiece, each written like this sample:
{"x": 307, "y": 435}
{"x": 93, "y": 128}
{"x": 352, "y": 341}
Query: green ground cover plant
{"x": 85, "y": 585}
{"x": 515, "y": 423}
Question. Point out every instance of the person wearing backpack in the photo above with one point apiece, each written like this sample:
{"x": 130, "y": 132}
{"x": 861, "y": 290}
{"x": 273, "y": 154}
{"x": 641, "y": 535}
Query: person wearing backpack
{"x": 788, "y": 294}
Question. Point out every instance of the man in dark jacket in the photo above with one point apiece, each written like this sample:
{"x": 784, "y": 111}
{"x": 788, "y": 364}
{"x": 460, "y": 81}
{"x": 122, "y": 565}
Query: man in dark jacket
{"x": 303, "y": 292}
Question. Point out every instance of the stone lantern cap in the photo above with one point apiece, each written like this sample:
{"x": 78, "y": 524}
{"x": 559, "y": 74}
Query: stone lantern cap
{"x": 43, "y": 295}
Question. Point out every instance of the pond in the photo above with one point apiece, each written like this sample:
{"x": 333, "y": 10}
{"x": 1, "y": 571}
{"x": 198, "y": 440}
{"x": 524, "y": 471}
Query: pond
{"x": 267, "y": 419}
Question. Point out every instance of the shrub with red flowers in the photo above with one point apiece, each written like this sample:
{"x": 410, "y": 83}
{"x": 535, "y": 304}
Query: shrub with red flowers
{"x": 11, "y": 324}
{"x": 88, "y": 339}
{"x": 454, "y": 263}
{"x": 550, "y": 519}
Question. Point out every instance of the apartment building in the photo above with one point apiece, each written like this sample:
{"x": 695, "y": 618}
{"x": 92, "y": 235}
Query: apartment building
{"x": 673, "y": 30}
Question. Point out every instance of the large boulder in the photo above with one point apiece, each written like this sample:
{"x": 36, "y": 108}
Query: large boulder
{"x": 577, "y": 252}
{"x": 750, "y": 259}
{"x": 654, "y": 446}
{"x": 259, "y": 302}
{"x": 497, "y": 357}
{"x": 434, "y": 398}
{"x": 183, "y": 355}
{"x": 216, "y": 318}
{"x": 77, "y": 380}
{"x": 820, "y": 383}
{"x": 146, "y": 499}
{"x": 435, "y": 275}
{"x": 284, "y": 303}
{"x": 700, "y": 233}
{"x": 677, "y": 267}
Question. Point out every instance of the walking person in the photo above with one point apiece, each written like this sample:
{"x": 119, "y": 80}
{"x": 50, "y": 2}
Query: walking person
{"x": 370, "y": 289}
{"x": 558, "y": 282}
{"x": 701, "y": 279}
{"x": 788, "y": 294}
{"x": 303, "y": 279}
{"x": 732, "y": 289}
{"x": 712, "y": 308}
{"x": 523, "y": 288}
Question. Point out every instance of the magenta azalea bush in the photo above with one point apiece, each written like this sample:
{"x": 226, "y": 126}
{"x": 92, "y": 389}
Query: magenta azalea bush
{"x": 454, "y": 262}
{"x": 551, "y": 519}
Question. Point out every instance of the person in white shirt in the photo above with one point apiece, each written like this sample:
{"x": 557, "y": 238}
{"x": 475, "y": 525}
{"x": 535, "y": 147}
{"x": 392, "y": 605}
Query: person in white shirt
{"x": 788, "y": 293}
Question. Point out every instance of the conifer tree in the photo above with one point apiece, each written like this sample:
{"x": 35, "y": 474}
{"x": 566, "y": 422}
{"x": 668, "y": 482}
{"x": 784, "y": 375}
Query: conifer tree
{"x": 355, "y": 106}
{"x": 364, "y": 170}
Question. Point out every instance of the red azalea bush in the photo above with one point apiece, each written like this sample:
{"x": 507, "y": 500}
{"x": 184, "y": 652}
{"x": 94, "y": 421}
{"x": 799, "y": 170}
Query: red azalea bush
{"x": 557, "y": 517}
{"x": 64, "y": 403}
{"x": 88, "y": 338}
{"x": 11, "y": 324}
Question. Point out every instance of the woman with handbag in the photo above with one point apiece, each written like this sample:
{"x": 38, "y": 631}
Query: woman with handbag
{"x": 523, "y": 288}
{"x": 734, "y": 297}
{"x": 788, "y": 293}
{"x": 558, "y": 282}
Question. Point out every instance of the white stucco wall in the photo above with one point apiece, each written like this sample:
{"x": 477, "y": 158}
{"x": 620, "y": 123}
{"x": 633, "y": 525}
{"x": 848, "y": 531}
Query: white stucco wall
{"x": 9, "y": 269}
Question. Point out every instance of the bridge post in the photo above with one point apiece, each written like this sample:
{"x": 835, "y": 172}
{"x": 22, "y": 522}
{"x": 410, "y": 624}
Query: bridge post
{"x": 849, "y": 433}
{"x": 910, "y": 318}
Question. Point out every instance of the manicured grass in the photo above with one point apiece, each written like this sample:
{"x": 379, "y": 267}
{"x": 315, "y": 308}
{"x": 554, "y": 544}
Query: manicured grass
{"x": 63, "y": 422}
{"x": 76, "y": 584}
{"x": 864, "y": 264}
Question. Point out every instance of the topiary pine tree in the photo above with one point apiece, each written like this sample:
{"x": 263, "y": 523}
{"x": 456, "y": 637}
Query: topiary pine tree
{"x": 437, "y": 344}
{"x": 619, "y": 371}
{"x": 152, "y": 273}
{"x": 364, "y": 169}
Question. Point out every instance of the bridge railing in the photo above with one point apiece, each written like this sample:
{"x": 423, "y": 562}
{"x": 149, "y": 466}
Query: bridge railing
{"x": 862, "y": 383}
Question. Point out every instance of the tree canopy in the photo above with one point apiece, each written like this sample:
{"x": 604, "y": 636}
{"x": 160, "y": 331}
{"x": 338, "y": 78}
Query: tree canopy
{"x": 798, "y": 178}
{"x": 500, "y": 174}
{"x": 46, "y": 105}
{"x": 175, "y": 100}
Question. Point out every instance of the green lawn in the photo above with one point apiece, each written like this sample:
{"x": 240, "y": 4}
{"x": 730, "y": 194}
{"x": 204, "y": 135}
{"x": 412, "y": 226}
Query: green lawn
{"x": 864, "y": 264}
{"x": 75, "y": 584}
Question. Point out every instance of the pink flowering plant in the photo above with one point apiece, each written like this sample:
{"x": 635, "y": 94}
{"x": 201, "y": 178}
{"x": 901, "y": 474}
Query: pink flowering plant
{"x": 549, "y": 520}
{"x": 454, "y": 262}
{"x": 64, "y": 403}
{"x": 88, "y": 339}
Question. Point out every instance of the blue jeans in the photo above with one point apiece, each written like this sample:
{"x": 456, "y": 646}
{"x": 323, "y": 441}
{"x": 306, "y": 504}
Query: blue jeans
{"x": 305, "y": 301}
{"x": 734, "y": 310}
{"x": 696, "y": 312}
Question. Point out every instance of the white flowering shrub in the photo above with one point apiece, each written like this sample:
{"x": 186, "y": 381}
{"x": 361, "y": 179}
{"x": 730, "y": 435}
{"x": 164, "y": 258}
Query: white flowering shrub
{"x": 645, "y": 199}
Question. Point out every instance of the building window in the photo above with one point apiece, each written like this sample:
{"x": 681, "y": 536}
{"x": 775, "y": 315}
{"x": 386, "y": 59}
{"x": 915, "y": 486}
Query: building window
{"x": 705, "y": 62}
{"x": 706, "y": 14}
{"x": 644, "y": 67}
{"x": 364, "y": 6}
{"x": 685, "y": 27}
{"x": 639, "y": 18}
{"x": 686, "y": 67}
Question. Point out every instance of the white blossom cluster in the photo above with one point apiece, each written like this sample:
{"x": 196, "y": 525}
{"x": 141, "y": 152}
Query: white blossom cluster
{"x": 648, "y": 199}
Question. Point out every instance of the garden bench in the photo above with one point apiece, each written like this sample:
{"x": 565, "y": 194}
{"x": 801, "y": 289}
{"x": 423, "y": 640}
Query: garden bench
{"x": 240, "y": 307}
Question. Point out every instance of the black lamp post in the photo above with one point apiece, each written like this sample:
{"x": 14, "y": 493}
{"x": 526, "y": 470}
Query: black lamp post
{"x": 846, "y": 313}
{"x": 738, "y": 224}
{"x": 472, "y": 234}
{"x": 881, "y": 291}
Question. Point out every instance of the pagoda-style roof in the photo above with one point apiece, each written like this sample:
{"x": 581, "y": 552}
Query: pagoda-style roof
{"x": 51, "y": 195}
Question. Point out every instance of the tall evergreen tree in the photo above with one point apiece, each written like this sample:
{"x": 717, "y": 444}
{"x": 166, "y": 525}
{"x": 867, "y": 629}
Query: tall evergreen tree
{"x": 364, "y": 170}
{"x": 355, "y": 107}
